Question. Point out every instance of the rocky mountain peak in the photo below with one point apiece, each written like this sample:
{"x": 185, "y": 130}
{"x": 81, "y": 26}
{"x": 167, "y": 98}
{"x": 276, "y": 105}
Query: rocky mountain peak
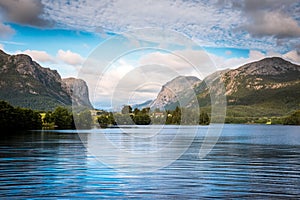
{"x": 78, "y": 91}
{"x": 268, "y": 66}
{"x": 174, "y": 89}
{"x": 24, "y": 83}
{"x": 2, "y": 53}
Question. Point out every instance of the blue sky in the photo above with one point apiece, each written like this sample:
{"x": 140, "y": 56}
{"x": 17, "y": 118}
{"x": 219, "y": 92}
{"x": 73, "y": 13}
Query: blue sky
{"x": 63, "y": 34}
{"x": 50, "y": 40}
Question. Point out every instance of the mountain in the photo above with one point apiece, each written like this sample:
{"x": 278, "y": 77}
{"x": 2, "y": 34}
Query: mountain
{"x": 24, "y": 83}
{"x": 175, "y": 92}
{"x": 142, "y": 105}
{"x": 78, "y": 90}
{"x": 269, "y": 87}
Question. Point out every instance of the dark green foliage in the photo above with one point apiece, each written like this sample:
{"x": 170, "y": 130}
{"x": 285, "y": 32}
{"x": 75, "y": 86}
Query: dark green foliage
{"x": 293, "y": 119}
{"x": 18, "y": 118}
{"x": 84, "y": 120}
{"x": 204, "y": 119}
{"x": 106, "y": 119}
{"x": 176, "y": 116}
{"x": 141, "y": 117}
{"x": 123, "y": 119}
{"x": 48, "y": 118}
{"x": 63, "y": 118}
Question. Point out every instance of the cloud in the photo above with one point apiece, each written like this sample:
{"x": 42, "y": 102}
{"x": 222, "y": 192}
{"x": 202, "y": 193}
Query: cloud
{"x": 194, "y": 19}
{"x": 26, "y": 12}
{"x": 62, "y": 57}
{"x": 1, "y": 47}
{"x": 227, "y": 23}
{"x": 235, "y": 62}
{"x": 293, "y": 56}
{"x": 274, "y": 24}
{"x": 5, "y": 30}
{"x": 273, "y": 18}
{"x": 184, "y": 62}
{"x": 39, "y": 56}
{"x": 70, "y": 57}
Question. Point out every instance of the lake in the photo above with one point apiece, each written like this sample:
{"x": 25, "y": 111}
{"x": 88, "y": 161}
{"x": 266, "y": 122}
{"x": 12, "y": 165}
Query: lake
{"x": 248, "y": 161}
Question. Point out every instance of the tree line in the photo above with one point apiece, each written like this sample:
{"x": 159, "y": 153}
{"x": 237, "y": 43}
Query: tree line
{"x": 12, "y": 118}
{"x": 145, "y": 116}
{"x": 16, "y": 118}
{"x": 63, "y": 118}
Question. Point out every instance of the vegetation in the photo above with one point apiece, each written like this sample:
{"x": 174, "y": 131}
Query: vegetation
{"x": 15, "y": 118}
{"x": 63, "y": 118}
{"x": 146, "y": 117}
{"x": 105, "y": 119}
{"x": 18, "y": 118}
{"x": 83, "y": 120}
{"x": 293, "y": 119}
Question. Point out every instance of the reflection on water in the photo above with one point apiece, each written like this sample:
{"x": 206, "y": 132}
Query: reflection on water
{"x": 248, "y": 161}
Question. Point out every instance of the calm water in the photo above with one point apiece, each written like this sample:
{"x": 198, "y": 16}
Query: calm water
{"x": 249, "y": 161}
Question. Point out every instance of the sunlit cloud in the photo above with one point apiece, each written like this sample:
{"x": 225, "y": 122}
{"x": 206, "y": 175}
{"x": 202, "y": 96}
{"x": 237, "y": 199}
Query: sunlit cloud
{"x": 251, "y": 24}
{"x": 69, "y": 57}
{"x": 38, "y": 56}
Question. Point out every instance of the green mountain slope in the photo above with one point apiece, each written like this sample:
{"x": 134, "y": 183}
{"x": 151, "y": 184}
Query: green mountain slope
{"x": 25, "y": 83}
{"x": 269, "y": 87}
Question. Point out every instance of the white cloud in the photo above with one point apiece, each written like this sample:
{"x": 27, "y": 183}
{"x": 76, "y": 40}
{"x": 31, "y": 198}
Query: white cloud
{"x": 194, "y": 19}
{"x": 293, "y": 56}
{"x": 2, "y": 47}
{"x": 67, "y": 63}
{"x": 231, "y": 63}
{"x": 184, "y": 62}
{"x": 70, "y": 57}
{"x": 39, "y": 56}
{"x": 205, "y": 21}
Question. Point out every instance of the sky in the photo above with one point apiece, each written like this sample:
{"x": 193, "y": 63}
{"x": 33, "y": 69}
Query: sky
{"x": 64, "y": 35}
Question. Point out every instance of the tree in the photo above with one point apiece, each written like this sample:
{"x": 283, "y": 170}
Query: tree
{"x": 204, "y": 119}
{"x": 62, "y": 118}
{"x": 293, "y": 119}
{"x": 106, "y": 119}
{"x": 84, "y": 120}
{"x": 176, "y": 116}
{"x": 136, "y": 111}
{"x": 18, "y": 118}
{"x": 48, "y": 117}
{"x": 146, "y": 110}
{"x": 126, "y": 109}
{"x": 142, "y": 119}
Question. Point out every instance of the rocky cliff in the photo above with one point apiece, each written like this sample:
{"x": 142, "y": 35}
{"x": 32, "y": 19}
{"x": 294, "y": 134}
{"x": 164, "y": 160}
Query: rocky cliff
{"x": 78, "y": 90}
{"x": 24, "y": 83}
{"x": 270, "y": 86}
{"x": 174, "y": 91}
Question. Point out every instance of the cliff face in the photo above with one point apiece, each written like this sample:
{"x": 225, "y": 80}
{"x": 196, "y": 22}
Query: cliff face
{"x": 271, "y": 84}
{"x": 78, "y": 91}
{"x": 24, "y": 83}
{"x": 269, "y": 87}
{"x": 173, "y": 91}
{"x": 269, "y": 73}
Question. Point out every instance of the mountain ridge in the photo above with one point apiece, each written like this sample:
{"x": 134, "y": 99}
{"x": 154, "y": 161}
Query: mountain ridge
{"x": 168, "y": 97}
{"x": 268, "y": 87}
{"x": 25, "y": 83}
